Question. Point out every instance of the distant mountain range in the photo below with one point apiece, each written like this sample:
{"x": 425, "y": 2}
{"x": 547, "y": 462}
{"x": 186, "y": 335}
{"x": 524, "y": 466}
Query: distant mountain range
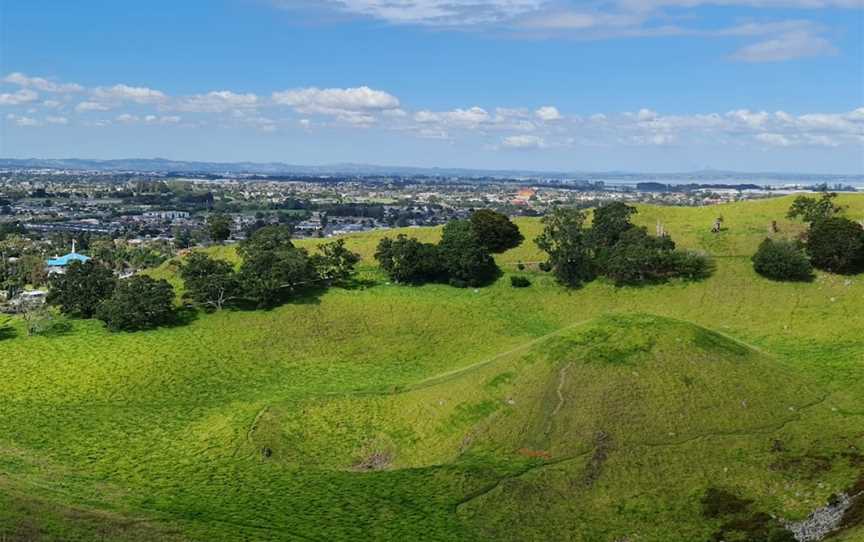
{"x": 163, "y": 166}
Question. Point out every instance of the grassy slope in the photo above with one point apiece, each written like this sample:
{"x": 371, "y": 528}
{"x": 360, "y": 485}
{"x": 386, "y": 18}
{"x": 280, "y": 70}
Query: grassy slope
{"x": 458, "y": 392}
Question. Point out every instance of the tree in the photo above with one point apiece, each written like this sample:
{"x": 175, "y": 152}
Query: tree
{"x": 408, "y": 260}
{"x": 273, "y": 269}
{"x": 209, "y": 282}
{"x": 182, "y": 237}
{"x": 812, "y": 210}
{"x": 219, "y": 227}
{"x": 334, "y": 263}
{"x": 836, "y": 244}
{"x": 610, "y": 222}
{"x": 463, "y": 256}
{"x": 564, "y": 240}
{"x": 638, "y": 258}
{"x": 79, "y": 291}
{"x": 268, "y": 238}
{"x": 782, "y": 260}
{"x": 137, "y": 303}
{"x": 495, "y": 231}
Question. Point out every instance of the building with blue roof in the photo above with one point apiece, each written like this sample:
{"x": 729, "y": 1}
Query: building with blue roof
{"x": 60, "y": 263}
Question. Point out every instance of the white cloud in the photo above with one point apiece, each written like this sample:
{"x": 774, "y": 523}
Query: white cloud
{"x": 349, "y": 104}
{"x": 91, "y": 106}
{"x": 23, "y": 121}
{"x": 125, "y": 93}
{"x": 548, "y": 113}
{"x": 774, "y": 140}
{"x": 605, "y": 19}
{"x": 788, "y": 46}
{"x": 462, "y": 118}
{"x": 52, "y": 104}
{"x": 56, "y": 120}
{"x": 126, "y": 118}
{"x": 217, "y": 102}
{"x": 39, "y": 83}
{"x": 20, "y": 97}
{"x": 646, "y": 115}
{"x": 523, "y": 142}
{"x": 438, "y": 12}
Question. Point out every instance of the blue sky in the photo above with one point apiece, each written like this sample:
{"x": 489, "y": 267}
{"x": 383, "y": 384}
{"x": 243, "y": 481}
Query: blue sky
{"x": 648, "y": 85}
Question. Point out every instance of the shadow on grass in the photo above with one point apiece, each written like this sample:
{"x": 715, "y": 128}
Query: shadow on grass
{"x": 7, "y": 332}
{"x": 356, "y": 284}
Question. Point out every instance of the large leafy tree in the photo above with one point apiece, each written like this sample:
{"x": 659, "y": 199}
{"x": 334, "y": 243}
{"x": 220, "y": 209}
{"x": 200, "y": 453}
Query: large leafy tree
{"x": 611, "y": 221}
{"x": 836, "y": 244}
{"x": 79, "y": 291}
{"x": 464, "y": 257}
{"x": 273, "y": 269}
{"x": 495, "y": 231}
{"x": 334, "y": 263}
{"x": 407, "y": 260}
{"x": 564, "y": 240}
{"x": 209, "y": 282}
{"x": 219, "y": 227}
{"x": 813, "y": 209}
{"x": 137, "y": 303}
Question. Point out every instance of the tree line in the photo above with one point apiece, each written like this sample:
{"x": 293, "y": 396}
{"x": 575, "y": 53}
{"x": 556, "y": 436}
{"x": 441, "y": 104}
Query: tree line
{"x": 272, "y": 271}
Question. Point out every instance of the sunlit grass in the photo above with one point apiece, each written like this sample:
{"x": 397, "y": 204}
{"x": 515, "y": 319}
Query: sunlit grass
{"x": 455, "y": 388}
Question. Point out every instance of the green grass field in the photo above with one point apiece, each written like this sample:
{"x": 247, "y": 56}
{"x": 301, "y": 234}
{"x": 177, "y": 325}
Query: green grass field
{"x": 388, "y": 412}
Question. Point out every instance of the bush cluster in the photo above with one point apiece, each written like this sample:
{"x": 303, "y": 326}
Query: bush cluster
{"x": 272, "y": 271}
{"x": 782, "y": 260}
{"x": 832, "y": 243}
{"x": 462, "y": 258}
{"x": 614, "y": 248}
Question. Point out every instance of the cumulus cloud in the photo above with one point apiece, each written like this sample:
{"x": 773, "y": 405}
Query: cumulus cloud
{"x": 40, "y": 83}
{"x": 23, "y": 121}
{"x": 548, "y": 113}
{"x": 23, "y": 96}
{"x": 350, "y": 104}
{"x": 217, "y": 102}
{"x": 126, "y": 93}
{"x": 56, "y": 120}
{"x": 126, "y": 118}
{"x": 91, "y": 106}
{"x": 523, "y": 142}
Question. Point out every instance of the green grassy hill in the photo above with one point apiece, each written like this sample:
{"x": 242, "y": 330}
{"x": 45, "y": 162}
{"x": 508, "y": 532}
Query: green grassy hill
{"x": 434, "y": 413}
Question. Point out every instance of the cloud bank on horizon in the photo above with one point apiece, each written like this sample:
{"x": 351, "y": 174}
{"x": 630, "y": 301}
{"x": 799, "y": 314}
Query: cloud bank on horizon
{"x": 766, "y": 32}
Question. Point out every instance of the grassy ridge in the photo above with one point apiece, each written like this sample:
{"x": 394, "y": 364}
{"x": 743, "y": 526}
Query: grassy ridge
{"x": 456, "y": 393}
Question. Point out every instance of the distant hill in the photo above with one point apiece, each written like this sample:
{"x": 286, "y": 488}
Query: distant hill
{"x": 164, "y": 166}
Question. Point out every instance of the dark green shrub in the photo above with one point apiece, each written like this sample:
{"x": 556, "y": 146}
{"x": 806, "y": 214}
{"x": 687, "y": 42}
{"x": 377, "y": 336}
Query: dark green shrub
{"x": 519, "y": 282}
{"x": 782, "y": 260}
{"x": 836, "y": 244}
